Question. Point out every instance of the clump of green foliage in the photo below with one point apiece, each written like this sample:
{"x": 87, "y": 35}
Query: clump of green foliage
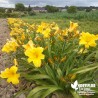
{"x": 9, "y": 15}
{"x": 51, "y": 9}
{"x": 31, "y": 13}
{"x": 72, "y": 9}
{"x": 19, "y": 7}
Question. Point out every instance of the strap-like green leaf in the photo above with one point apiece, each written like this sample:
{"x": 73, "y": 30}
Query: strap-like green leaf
{"x": 67, "y": 63}
{"x": 89, "y": 56}
{"x": 49, "y": 71}
{"x": 85, "y": 79}
{"x": 37, "y": 76}
{"x": 49, "y": 91}
{"x": 85, "y": 68}
{"x": 35, "y": 90}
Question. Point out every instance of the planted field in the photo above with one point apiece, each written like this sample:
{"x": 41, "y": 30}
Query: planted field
{"x": 88, "y": 21}
{"x": 92, "y": 15}
{"x": 50, "y": 57}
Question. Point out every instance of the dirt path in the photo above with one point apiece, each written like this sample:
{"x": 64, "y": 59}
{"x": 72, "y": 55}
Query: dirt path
{"x": 4, "y": 34}
{"x": 6, "y": 90}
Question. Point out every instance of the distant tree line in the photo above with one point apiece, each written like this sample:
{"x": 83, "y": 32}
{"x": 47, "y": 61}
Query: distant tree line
{"x": 49, "y": 8}
{"x": 21, "y": 7}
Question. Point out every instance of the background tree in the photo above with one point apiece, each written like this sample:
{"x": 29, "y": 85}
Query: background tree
{"x": 29, "y": 8}
{"x": 19, "y": 7}
{"x": 72, "y": 9}
{"x": 51, "y": 9}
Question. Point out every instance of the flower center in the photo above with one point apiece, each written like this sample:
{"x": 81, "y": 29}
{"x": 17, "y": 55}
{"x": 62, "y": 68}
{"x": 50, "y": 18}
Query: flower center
{"x": 36, "y": 55}
{"x": 12, "y": 73}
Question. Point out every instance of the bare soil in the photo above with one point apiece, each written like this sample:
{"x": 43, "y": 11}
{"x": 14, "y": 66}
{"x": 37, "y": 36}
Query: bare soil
{"x": 6, "y": 90}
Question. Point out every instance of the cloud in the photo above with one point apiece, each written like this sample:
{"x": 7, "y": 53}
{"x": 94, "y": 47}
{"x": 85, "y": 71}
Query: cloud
{"x": 11, "y": 3}
{"x": 5, "y": 3}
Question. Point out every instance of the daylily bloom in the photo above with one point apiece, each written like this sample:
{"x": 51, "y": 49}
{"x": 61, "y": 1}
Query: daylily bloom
{"x": 11, "y": 75}
{"x": 87, "y": 39}
{"x": 30, "y": 44}
{"x": 10, "y": 46}
{"x": 35, "y": 55}
{"x": 41, "y": 27}
{"x": 46, "y": 33}
{"x": 73, "y": 26}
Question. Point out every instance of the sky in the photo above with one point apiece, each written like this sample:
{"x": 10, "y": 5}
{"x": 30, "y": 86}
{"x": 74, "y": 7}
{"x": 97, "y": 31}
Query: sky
{"x": 59, "y": 3}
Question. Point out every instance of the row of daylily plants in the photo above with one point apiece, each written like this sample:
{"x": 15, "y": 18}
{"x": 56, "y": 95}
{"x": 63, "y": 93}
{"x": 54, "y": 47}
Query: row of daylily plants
{"x": 50, "y": 57}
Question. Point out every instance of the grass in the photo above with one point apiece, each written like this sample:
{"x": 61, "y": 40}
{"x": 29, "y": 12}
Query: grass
{"x": 92, "y": 15}
{"x": 88, "y": 21}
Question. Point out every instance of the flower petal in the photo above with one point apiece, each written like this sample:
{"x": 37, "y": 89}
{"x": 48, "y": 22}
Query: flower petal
{"x": 13, "y": 69}
{"x": 37, "y": 63}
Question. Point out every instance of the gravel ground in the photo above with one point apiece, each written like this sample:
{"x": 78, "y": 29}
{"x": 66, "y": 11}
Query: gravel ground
{"x": 6, "y": 90}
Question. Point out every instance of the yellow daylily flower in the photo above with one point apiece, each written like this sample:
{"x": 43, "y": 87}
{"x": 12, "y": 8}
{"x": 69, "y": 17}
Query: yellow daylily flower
{"x": 65, "y": 32}
{"x": 30, "y": 44}
{"x": 41, "y": 27}
{"x": 10, "y": 46}
{"x": 76, "y": 33}
{"x": 44, "y": 24}
{"x": 54, "y": 26}
{"x": 46, "y": 33}
{"x": 73, "y": 26}
{"x": 35, "y": 55}
{"x": 11, "y": 75}
{"x": 96, "y": 36}
{"x": 16, "y": 31}
{"x": 87, "y": 39}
